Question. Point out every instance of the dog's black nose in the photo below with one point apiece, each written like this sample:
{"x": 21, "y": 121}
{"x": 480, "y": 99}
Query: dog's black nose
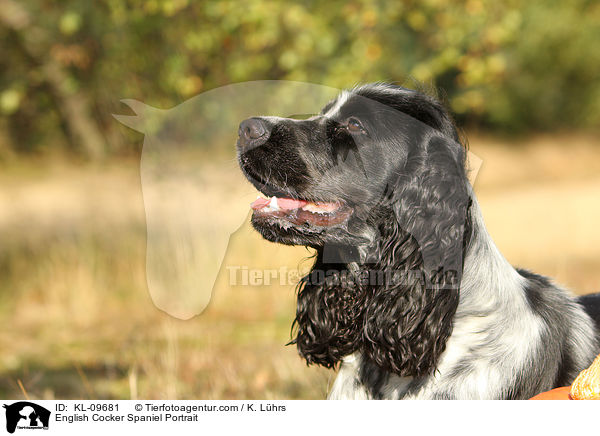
{"x": 253, "y": 132}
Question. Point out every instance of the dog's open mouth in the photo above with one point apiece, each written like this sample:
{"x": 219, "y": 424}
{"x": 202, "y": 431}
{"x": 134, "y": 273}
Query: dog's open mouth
{"x": 301, "y": 212}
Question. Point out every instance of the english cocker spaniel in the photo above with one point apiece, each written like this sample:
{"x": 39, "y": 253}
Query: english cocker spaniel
{"x": 408, "y": 295}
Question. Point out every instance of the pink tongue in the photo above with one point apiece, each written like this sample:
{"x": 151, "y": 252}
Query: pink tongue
{"x": 282, "y": 203}
{"x": 259, "y": 203}
{"x": 290, "y": 203}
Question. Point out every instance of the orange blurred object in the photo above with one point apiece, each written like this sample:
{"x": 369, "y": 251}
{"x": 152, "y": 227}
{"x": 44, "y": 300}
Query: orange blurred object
{"x": 554, "y": 394}
{"x": 585, "y": 387}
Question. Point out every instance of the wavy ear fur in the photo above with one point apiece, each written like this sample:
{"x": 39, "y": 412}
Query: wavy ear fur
{"x": 329, "y": 314}
{"x": 407, "y": 323}
{"x": 402, "y": 325}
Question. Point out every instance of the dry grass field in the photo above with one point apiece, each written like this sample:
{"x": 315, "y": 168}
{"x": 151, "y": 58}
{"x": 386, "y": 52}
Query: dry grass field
{"x": 78, "y": 322}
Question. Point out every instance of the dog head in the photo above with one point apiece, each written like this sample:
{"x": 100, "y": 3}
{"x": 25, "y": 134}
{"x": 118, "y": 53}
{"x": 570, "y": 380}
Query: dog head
{"x": 379, "y": 175}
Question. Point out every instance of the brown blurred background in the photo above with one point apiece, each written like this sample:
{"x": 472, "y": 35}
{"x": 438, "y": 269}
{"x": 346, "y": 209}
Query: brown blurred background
{"x": 77, "y": 319}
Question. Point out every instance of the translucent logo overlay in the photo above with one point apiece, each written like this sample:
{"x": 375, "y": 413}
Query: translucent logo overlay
{"x": 196, "y": 197}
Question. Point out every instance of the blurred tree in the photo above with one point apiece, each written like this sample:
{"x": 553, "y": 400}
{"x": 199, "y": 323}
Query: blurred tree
{"x": 72, "y": 105}
{"x": 512, "y": 65}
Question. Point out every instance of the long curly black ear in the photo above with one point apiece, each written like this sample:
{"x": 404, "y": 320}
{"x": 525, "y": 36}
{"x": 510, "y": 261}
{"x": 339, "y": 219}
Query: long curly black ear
{"x": 329, "y": 314}
{"x": 408, "y": 320}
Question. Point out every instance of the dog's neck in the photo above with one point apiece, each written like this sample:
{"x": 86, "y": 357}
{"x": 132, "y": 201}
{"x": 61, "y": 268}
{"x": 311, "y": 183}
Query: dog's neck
{"x": 488, "y": 280}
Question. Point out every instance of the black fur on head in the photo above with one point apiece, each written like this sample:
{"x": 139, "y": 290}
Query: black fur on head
{"x": 388, "y": 164}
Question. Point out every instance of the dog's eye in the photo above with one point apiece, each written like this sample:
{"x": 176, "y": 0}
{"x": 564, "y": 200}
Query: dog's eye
{"x": 354, "y": 126}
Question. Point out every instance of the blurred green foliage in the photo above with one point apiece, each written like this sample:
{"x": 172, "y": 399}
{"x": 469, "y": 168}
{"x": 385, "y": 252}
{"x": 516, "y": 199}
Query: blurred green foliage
{"x": 513, "y": 65}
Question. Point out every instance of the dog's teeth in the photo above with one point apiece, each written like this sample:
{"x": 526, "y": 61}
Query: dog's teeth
{"x": 272, "y": 206}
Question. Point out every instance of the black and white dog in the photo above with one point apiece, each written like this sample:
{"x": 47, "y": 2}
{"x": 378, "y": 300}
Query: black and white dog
{"x": 408, "y": 296}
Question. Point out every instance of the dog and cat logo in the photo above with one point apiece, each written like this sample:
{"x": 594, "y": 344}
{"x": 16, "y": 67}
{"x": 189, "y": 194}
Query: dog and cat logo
{"x": 26, "y": 415}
